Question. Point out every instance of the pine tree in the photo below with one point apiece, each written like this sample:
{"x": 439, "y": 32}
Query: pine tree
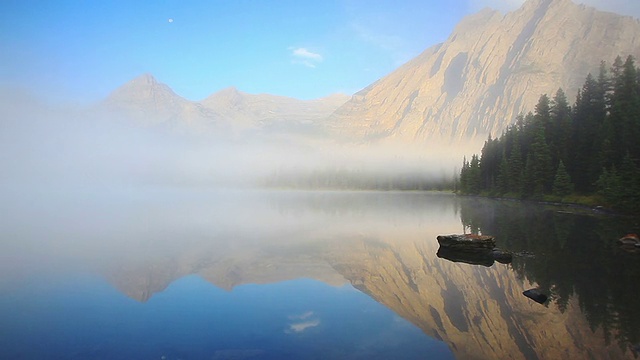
{"x": 502, "y": 181}
{"x": 621, "y": 188}
{"x": 625, "y": 112}
{"x": 562, "y": 185}
{"x": 629, "y": 190}
{"x": 475, "y": 178}
{"x": 561, "y": 124}
{"x": 489, "y": 165}
{"x": 515, "y": 168}
{"x": 543, "y": 115}
{"x": 609, "y": 185}
{"x": 588, "y": 117}
{"x": 541, "y": 165}
{"x": 528, "y": 183}
{"x": 464, "y": 176}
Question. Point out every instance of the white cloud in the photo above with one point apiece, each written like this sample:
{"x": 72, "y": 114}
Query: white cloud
{"x": 302, "y": 326}
{"x": 304, "y": 321}
{"x": 305, "y": 57}
{"x": 306, "y": 54}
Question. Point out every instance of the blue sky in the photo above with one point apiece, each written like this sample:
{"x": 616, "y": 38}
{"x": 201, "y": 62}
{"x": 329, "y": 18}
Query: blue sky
{"x": 81, "y": 50}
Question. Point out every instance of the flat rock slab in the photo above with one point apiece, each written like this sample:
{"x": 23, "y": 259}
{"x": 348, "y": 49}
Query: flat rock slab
{"x": 467, "y": 242}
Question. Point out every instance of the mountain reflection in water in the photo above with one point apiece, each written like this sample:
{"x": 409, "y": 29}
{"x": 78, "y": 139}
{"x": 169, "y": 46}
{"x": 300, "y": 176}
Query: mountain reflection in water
{"x": 383, "y": 244}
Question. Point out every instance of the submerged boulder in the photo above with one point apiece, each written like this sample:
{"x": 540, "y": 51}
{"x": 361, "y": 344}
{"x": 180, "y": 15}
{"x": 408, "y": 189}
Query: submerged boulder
{"x": 629, "y": 239}
{"x": 536, "y": 295}
{"x": 630, "y": 243}
{"x": 484, "y": 257}
{"x": 467, "y": 242}
{"x": 472, "y": 249}
{"x": 502, "y": 256}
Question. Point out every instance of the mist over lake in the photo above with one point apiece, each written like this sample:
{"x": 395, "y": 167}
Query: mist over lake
{"x": 120, "y": 241}
{"x": 320, "y": 180}
{"x": 193, "y": 273}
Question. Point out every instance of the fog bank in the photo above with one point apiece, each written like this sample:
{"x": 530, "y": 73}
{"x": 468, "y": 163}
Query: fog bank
{"x": 54, "y": 148}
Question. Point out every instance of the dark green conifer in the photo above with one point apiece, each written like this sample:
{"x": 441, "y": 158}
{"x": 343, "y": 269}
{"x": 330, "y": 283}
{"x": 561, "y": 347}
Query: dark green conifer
{"x": 562, "y": 185}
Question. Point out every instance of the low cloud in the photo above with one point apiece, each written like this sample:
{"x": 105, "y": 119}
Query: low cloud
{"x": 305, "y": 57}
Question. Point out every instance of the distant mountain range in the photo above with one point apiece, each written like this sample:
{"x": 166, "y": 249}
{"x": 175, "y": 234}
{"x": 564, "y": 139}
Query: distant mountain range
{"x": 492, "y": 68}
{"x": 227, "y": 111}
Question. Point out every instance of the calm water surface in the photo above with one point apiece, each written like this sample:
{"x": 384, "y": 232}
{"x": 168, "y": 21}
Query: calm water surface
{"x": 200, "y": 274}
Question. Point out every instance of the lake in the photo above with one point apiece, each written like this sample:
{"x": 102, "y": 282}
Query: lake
{"x": 207, "y": 274}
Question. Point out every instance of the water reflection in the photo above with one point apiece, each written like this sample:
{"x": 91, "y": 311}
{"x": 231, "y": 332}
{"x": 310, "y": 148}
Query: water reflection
{"x": 81, "y": 317}
{"x": 577, "y": 260}
{"x": 382, "y": 244}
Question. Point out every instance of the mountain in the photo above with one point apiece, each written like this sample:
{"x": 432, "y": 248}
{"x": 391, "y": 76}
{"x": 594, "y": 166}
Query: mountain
{"x": 248, "y": 110}
{"x": 154, "y": 104}
{"x": 490, "y": 69}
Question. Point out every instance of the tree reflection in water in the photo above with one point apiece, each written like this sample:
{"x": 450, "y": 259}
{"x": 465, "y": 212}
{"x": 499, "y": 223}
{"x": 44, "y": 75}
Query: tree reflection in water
{"x": 575, "y": 253}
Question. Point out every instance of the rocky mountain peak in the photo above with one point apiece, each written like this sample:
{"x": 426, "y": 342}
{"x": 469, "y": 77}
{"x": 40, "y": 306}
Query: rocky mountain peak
{"x": 229, "y": 96}
{"x": 147, "y": 100}
{"x": 492, "y": 68}
{"x": 144, "y": 88}
{"x": 145, "y": 79}
{"x": 151, "y": 102}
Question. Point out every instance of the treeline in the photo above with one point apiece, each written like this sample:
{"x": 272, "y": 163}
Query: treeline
{"x": 560, "y": 152}
{"x": 353, "y": 179}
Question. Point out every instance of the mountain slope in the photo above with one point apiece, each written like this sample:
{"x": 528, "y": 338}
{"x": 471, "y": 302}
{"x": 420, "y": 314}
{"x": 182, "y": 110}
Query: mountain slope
{"x": 489, "y": 70}
{"x": 152, "y": 103}
{"x": 247, "y": 110}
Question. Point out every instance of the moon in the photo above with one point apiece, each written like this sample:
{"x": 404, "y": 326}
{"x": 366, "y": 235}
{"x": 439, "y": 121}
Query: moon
{"x": 170, "y": 20}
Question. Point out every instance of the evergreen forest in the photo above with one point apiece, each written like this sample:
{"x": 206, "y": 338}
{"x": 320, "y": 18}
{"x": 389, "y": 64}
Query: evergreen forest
{"x": 586, "y": 153}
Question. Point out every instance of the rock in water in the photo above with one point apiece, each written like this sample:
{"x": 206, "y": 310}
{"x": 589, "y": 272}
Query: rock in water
{"x": 536, "y": 295}
{"x": 467, "y": 242}
{"x": 482, "y": 257}
{"x": 630, "y": 243}
{"x": 629, "y": 239}
{"x": 502, "y": 256}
